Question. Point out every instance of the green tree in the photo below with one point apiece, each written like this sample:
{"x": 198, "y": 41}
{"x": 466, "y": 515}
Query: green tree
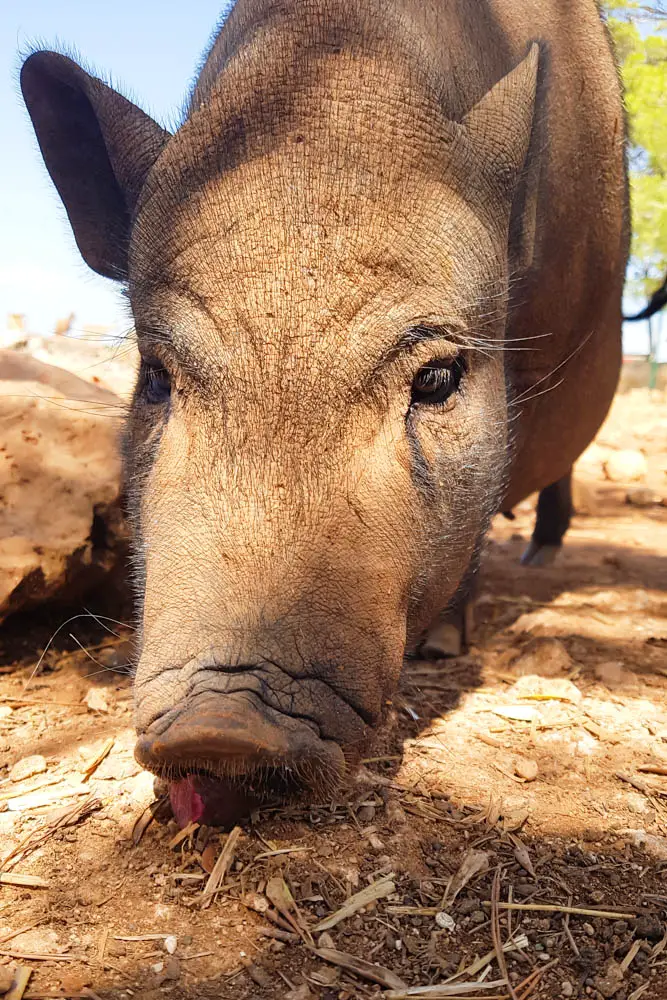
{"x": 639, "y": 33}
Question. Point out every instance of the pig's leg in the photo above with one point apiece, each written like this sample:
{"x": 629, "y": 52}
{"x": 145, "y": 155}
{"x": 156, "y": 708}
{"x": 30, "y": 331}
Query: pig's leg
{"x": 554, "y": 510}
{"x": 451, "y": 633}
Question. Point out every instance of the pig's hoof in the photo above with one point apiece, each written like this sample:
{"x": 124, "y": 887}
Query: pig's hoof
{"x": 539, "y": 555}
{"x": 445, "y": 640}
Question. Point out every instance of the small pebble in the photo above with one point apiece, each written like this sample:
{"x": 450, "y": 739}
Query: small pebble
{"x": 445, "y": 921}
{"x": 566, "y": 988}
{"x": 589, "y": 929}
{"x": 170, "y": 944}
{"x": 97, "y": 700}
{"x": 526, "y": 768}
{"x": 597, "y": 896}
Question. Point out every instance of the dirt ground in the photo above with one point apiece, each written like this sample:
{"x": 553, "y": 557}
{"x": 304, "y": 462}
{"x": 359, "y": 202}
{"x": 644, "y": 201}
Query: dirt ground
{"x": 531, "y": 772}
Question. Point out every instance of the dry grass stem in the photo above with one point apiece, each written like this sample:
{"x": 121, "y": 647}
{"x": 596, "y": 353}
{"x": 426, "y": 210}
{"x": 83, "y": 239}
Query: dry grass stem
{"x": 366, "y": 970}
{"x": 574, "y": 910}
{"x": 25, "y": 881}
{"x": 96, "y": 761}
{"x": 220, "y": 868}
{"x": 629, "y": 958}
{"x": 442, "y": 990}
{"x": 495, "y": 933}
{"x": 377, "y": 890}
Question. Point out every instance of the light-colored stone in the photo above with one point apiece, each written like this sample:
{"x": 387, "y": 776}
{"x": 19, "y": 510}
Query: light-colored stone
{"x": 27, "y": 767}
{"x": 610, "y": 982}
{"x": 98, "y": 700}
{"x": 526, "y": 768}
{"x": 626, "y": 466}
{"x": 59, "y": 474}
{"x": 543, "y": 656}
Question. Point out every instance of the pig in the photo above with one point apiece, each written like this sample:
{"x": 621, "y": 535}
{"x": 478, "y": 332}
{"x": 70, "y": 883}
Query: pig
{"x": 376, "y": 282}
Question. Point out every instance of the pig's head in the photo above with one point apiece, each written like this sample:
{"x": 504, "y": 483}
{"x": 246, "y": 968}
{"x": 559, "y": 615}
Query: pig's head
{"x": 317, "y": 264}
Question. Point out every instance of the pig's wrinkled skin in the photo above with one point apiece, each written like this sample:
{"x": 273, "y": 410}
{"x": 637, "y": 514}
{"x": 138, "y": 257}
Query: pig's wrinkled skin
{"x": 376, "y": 278}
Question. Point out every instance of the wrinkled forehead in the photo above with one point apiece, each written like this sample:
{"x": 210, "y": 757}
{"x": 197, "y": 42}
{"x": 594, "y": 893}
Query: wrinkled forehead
{"x": 283, "y": 242}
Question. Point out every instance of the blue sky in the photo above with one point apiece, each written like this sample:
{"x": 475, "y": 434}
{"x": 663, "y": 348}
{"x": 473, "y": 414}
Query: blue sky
{"x": 152, "y": 50}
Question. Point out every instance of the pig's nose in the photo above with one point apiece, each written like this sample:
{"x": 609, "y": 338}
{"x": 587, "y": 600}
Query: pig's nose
{"x": 225, "y": 753}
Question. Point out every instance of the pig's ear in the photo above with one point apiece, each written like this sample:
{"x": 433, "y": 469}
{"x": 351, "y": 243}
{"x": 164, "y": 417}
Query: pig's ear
{"x": 499, "y": 126}
{"x": 98, "y": 149}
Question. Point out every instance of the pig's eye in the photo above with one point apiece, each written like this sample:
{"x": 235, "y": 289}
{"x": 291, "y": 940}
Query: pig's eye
{"x": 155, "y": 382}
{"x": 437, "y": 381}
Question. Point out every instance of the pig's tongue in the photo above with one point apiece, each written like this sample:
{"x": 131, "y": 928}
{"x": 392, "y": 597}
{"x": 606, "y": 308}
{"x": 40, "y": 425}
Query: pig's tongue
{"x": 196, "y": 799}
{"x": 186, "y": 801}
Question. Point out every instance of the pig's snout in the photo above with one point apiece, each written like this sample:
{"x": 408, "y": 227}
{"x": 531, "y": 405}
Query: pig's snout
{"x": 240, "y": 737}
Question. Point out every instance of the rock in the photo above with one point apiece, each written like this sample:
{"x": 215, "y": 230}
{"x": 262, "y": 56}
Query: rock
{"x": 625, "y": 466}
{"x": 27, "y": 767}
{"x": 610, "y": 673}
{"x": 170, "y": 944}
{"x": 61, "y": 527}
{"x": 544, "y": 657}
{"x": 6, "y": 711}
{"x": 610, "y": 982}
{"x": 299, "y": 993}
{"x": 172, "y": 970}
{"x": 72, "y": 981}
{"x": 445, "y": 921}
{"x": 649, "y": 926}
{"x": 593, "y": 459}
{"x": 97, "y": 699}
{"x": 526, "y": 768}
{"x": 566, "y": 988}
{"x": 653, "y": 845}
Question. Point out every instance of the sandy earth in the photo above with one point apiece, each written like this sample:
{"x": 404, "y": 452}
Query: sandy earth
{"x": 527, "y": 772}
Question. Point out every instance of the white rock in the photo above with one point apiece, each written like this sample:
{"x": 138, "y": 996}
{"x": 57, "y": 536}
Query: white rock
{"x": 171, "y": 943}
{"x": 97, "y": 699}
{"x": 625, "y": 466}
{"x": 526, "y": 768}
{"x": 60, "y": 469}
{"x": 27, "y": 767}
{"x": 445, "y": 921}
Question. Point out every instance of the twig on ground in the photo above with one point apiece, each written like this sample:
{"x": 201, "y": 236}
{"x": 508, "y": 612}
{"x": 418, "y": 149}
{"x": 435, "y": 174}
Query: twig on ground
{"x": 358, "y": 966}
{"x": 495, "y": 933}
{"x": 220, "y": 868}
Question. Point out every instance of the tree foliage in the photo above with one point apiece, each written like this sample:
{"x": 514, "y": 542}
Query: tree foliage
{"x": 639, "y": 33}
